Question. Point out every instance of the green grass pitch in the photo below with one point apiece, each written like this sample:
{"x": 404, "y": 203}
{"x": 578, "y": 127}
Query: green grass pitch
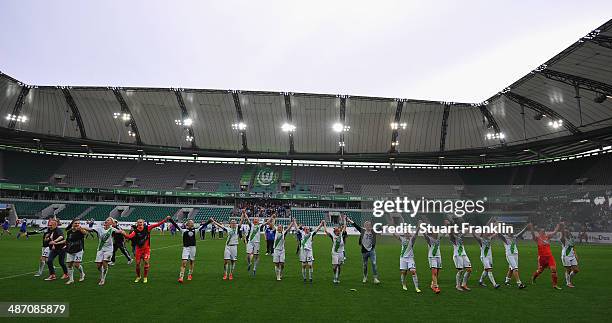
{"x": 262, "y": 298}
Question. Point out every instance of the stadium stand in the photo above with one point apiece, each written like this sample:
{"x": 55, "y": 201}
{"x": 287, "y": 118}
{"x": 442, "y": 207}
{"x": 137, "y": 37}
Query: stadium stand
{"x": 359, "y": 217}
{"x": 29, "y": 168}
{"x": 29, "y": 209}
{"x": 246, "y": 177}
{"x": 208, "y": 186}
{"x": 227, "y": 187}
{"x": 215, "y": 173}
{"x": 158, "y": 175}
{"x": 2, "y": 178}
{"x": 104, "y": 173}
{"x": 72, "y": 211}
{"x": 600, "y": 172}
{"x": 308, "y": 217}
{"x": 24, "y": 168}
{"x": 220, "y": 214}
{"x": 148, "y": 213}
{"x": 100, "y": 212}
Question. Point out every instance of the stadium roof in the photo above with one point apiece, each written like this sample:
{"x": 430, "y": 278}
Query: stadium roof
{"x": 563, "y": 107}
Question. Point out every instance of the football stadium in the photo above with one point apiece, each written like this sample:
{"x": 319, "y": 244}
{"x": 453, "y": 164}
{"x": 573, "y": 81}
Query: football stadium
{"x": 170, "y": 203}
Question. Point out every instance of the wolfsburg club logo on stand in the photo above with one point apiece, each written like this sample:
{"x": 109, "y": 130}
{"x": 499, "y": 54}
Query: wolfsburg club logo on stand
{"x": 266, "y": 177}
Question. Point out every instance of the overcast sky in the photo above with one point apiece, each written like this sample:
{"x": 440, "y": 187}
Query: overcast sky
{"x": 462, "y": 51}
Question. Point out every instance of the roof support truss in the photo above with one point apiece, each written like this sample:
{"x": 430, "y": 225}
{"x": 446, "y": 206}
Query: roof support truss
{"x": 538, "y": 107}
{"x": 287, "y": 97}
{"x": 75, "y": 111}
{"x": 18, "y": 105}
{"x": 396, "y": 120}
{"x": 443, "y": 127}
{"x": 342, "y": 120}
{"x": 491, "y": 122}
{"x": 573, "y": 80}
{"x": 126, "y": 109}
{"x": 184, "y": 116}
{"x": 603, "y": 41}
{"x": 236, "y": 97}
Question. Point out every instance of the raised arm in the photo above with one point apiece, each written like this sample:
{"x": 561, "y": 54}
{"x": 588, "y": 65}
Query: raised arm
{"x": 426, "y": 233}
{"x": 242, "y": 217}
{"x": 327, "y": 233}
{"x": 58, "y": 240}
{"x": 117, "y": 230}
{"x": 39, "y": 231}
{"x": 125, "y": 234}
{"x": 557, "y": 229}
{"x": 520, "y": 233}
{"x": 291, "y": 224}
{"x": 397, "y": 236}
{"x": 155, "y": 225}
{"x": 534, "y": 236}
{"x": 217, "y": 224}
{"x": 563, "y": 232}
{"x": 319, "y": 227}
{"x": 343, "y": 227}
{"x": 357, "y": 226}
{"x": 214, "y": 222}
{"x": 174, "y": 224}
{"x": 451, "y": 234}
{"x": 271, "y": 220}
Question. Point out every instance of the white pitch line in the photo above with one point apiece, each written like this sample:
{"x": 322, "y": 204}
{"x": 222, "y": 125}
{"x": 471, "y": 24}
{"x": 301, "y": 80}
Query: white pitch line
{"x": 88, "y": 262}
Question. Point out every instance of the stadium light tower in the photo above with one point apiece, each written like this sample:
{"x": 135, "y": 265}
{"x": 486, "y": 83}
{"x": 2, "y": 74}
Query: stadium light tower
{"x": 240, "y": 126}
{"x": 17, "y": 118}
{"x": 187, "y": 122}
{"x": 495, "y": 135}
{"x": 125, "y": 118}
{"x": 339, "y": 127}
{"x": 122, "y": 116}
{"x": 396, "y": 127}
{"x": 555, "y": 124}
{"x": 287, "y": 127}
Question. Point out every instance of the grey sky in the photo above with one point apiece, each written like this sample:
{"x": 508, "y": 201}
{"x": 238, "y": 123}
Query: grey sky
{"x": 462, "y": 51}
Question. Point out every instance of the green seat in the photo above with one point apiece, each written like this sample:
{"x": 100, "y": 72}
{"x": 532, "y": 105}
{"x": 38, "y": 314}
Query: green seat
{"x": 149, "y": 213}
{"x": 29, "y": 209}
{"x": 72, "y": 211}
{"x": 220, "y": 214}
{"x": 100, "y": 212}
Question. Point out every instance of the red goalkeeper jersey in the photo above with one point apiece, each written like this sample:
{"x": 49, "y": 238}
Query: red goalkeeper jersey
{"x": 543, "y": 246}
